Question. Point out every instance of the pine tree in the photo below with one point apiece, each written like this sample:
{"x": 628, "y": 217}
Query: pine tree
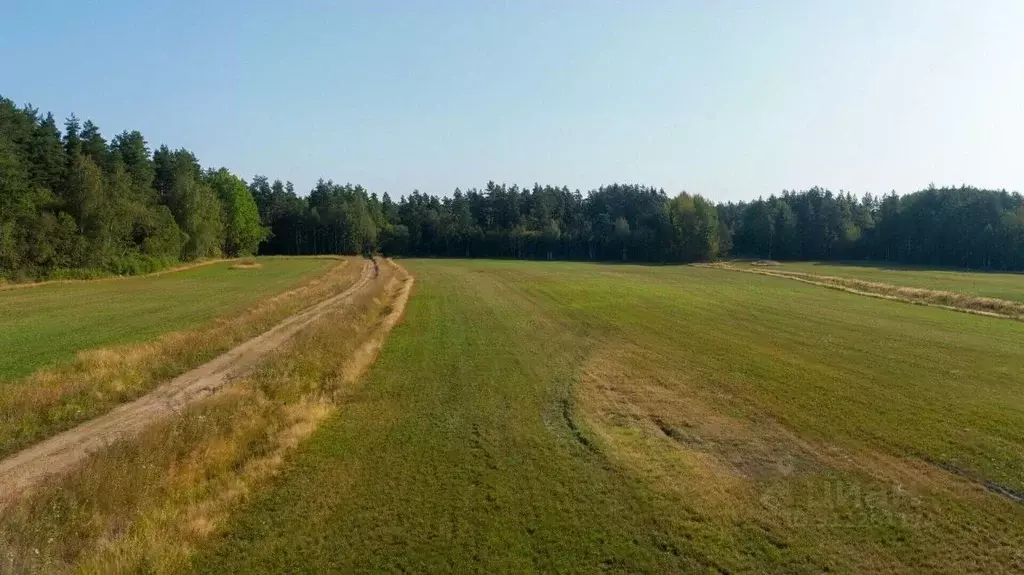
{"x": 93, "y": 144}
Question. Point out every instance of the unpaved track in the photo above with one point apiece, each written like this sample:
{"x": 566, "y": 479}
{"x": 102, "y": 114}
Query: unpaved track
{"x": 62, "y": 452}
{"x": 363, "y": 357}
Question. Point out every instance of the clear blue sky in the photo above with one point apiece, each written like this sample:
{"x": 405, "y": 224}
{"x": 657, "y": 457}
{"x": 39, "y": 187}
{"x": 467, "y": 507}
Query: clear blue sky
{"x": 728, "y": 99}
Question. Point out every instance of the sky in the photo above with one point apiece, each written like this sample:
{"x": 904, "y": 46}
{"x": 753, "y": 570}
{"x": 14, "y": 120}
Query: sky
{"x": 729, "y": 99}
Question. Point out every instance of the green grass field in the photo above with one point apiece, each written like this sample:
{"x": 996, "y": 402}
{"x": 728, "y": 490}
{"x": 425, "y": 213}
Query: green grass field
{"x": 583, "y": 418}
{"x": 41, "y": 326}
{"x": 1008, "y": 286}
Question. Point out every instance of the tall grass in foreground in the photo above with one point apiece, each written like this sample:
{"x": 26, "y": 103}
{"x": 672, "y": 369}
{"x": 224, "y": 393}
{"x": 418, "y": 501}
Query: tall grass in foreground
{"x": 53, "y": 400}
{"x": 144, "y": 504}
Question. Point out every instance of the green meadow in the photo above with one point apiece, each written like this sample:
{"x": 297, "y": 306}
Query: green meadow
{"x": 45, "y": 325}
{"x": 565, "y": 417}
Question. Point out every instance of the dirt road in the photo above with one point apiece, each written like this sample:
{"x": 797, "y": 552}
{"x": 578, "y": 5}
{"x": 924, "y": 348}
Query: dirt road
{"x": 62, "y": 452}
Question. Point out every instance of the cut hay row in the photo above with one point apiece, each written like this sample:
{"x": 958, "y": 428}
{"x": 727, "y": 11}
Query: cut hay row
{"x": 990, "y": 307}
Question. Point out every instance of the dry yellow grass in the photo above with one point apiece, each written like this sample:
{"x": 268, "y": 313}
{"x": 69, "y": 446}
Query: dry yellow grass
{"x": 246, "y": 264}
{"x": 954, "y": 301}
{"x": 399, "y": 289}
{"x": 53, "y": 400}
{"x": 145, "y": 504}
{"x": 657, "y": 427}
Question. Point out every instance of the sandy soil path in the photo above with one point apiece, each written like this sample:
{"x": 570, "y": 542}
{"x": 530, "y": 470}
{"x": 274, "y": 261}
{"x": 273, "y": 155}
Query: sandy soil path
{"x": 60, "y": 453}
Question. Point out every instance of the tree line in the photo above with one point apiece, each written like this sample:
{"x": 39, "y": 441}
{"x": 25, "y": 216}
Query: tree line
{"x": 73, "y": 203}
{"x": 957, "y": 227}
{"x": 619, "y": 222}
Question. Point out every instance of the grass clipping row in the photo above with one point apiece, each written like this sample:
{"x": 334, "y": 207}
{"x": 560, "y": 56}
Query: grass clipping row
{"x": 991, "y": 307}
{"x": 146, "y": 504}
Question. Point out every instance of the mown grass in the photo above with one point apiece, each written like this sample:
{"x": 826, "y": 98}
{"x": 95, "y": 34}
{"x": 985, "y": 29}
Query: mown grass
{"x": 144, "y": 504}
{"x": 53, "y": 399}
{"x": 579, "y": 418}
{"x": 47, "y": 325}
{"x": 1008, "y": 286}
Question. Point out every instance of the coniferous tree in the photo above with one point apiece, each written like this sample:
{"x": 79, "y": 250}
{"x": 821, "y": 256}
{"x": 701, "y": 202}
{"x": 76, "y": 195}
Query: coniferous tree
{"x": 72, "y": 200}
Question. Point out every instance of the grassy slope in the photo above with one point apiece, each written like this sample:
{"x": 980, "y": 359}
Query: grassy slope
{"x": 44, "y": 325}
{"x": 1008, "y": 286}
{"x": 466, "y": 450}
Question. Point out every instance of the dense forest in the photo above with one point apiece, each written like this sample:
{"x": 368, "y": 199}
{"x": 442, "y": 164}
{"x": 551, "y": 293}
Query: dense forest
{"x": 73, "y": 204}
{"x": 630, "y": 223}
{"x": 959, "y": 227}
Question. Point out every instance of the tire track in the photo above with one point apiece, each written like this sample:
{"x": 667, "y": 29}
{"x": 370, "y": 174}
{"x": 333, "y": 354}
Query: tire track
{"x": 62, "y": 452}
